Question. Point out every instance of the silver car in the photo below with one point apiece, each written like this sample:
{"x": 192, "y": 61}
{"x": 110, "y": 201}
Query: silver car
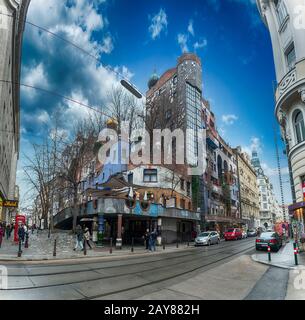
{"x": 207, "y": 238}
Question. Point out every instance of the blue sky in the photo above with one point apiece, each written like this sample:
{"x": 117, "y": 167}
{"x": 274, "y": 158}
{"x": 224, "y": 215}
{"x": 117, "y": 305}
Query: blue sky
{"x": 136, "y": 37}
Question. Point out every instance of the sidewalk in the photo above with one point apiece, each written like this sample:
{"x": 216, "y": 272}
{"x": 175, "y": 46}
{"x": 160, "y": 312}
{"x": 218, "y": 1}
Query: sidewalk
{"x": 282, "y": 259}
{"x": 41, "y": 248}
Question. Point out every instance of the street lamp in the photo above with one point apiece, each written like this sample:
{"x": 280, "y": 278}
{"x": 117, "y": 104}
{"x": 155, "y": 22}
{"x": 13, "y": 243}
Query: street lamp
{"x": 131, "y": 88}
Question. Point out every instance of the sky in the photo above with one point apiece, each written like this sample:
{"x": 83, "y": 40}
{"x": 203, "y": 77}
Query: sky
{"x": 136, "y": 38}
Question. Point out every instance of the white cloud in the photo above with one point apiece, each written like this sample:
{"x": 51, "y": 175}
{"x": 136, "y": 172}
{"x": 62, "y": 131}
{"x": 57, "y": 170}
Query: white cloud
{"x": 182, "y": 41}
{"x": 43, "y": 117}
{"x": 255, "y": 145}
{"x": 190, "y": 28}
{"x": 36, "y": 77}
{"x": 201, "y": 44}
{"x": 107, "y": 46}
{"x": 229, "y": 119}
{"x": 158, "y": 24}
{"x": 273, "y": 172}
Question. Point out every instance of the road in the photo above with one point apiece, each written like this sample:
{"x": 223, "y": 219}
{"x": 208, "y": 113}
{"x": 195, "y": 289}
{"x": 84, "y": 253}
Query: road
{"x": 132, "y": 277}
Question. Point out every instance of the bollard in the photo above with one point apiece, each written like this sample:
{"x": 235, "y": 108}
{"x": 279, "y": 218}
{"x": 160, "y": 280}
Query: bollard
{"x": 269, "y": 253}
{"x": 295, "y": 250}
{"x": 132, "y": 244}
{"x": 26, "y": 244}
{"x": 54, "y": 249}
{"x": 19, "y": 250}
{"x": 188, "y": 242}
{"x": 85, "y": 248}
{"x": 177, "y": 244}
{"x": 110, "y": 250}
{"x": 163, "y": 244}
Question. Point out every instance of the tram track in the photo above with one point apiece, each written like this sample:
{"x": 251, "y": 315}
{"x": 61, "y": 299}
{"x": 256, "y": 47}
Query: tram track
{"x": 215, "y": 250}
{"x": 200, "y": 257}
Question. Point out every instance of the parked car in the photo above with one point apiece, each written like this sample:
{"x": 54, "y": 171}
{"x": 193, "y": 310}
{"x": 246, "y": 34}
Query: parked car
{"x": 271, "y": 239}
{"x": 207, "y": 238}
{"x": 251, "y": 233}
{"x": 244, "y": 234}
{"x": 233, "y": 234}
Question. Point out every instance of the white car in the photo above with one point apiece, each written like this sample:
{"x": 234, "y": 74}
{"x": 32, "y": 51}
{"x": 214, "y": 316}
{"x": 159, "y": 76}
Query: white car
{"x": 207, "y": 238}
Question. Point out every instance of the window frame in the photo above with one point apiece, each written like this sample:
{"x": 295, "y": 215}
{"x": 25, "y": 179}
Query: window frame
{"x": 145, "y": 174}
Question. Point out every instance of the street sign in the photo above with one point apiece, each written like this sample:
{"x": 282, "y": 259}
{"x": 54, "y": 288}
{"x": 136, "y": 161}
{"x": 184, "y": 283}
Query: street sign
{"x": 9, "y": 203}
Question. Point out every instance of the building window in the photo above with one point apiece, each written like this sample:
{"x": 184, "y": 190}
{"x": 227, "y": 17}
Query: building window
{"x": 281, "y": 11}
{"x": 150, "y": 175}
{"x": 182, "y": 184}
{"x": 130, "y": 178}
{"x": 188, "y": 189}
{"x": 299, "y": 127}
{"x": 291, "y": 57}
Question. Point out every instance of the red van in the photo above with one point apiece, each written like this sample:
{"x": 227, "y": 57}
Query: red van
{"x": 233, "y": 234}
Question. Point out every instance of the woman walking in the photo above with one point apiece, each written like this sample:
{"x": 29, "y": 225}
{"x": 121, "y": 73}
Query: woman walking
{"x": 87, "y": 237}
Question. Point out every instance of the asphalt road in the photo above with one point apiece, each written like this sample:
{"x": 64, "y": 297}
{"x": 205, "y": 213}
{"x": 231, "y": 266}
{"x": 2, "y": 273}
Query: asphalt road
{"x": 117, "y": 278}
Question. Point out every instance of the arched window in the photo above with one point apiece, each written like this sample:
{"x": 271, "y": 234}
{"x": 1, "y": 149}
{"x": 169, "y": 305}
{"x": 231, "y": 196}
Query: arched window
{"x": 299, "y": 126}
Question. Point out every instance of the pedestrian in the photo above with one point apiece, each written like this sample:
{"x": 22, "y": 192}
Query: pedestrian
{"x": 79, "y": 238}
{"x": 8, "y": 232}
{"x": 32, "y": 228}
{"x": 1, "y": 234}
{"x": 12, "y": 228}
{"x": 21, "y": 233}
{"x": 87, "y": 237}
{"x": 146, "y": 239}
{"x": 152, "y": 240}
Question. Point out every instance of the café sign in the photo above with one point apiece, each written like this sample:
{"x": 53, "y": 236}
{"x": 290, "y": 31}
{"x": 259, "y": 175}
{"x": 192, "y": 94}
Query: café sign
{"x": 8, "y": 203}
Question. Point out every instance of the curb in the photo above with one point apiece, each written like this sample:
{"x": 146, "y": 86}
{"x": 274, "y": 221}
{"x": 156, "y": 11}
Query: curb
{"x": 275, "y": 264}
{"x": 87, "y": 258}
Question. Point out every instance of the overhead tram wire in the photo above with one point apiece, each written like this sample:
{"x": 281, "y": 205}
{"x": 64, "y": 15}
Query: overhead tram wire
{"x": 125, "y": 82}
{"x": 57, "y": 95}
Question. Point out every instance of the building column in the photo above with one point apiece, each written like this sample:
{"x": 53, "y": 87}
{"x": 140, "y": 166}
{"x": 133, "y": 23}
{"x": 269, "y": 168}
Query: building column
{"x": 119, "y": 232}
{"x": 159, "y": 230}
{"x": 101, "y": 228}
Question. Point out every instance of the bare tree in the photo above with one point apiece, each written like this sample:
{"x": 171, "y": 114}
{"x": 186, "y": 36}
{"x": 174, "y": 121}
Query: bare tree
{"x": 77, "y": 154}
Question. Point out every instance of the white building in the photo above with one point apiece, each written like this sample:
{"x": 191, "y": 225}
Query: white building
{"x": 286, "y": 22}
{"x": 12, "y": 19}
{"x": 270, "y": 210}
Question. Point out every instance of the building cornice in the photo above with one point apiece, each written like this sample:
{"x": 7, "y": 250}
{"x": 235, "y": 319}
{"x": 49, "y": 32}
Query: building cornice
{"x": 19, "y": 18}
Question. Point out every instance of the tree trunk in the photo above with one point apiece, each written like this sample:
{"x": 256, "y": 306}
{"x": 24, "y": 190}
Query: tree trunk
{"x": 75, "y": 209}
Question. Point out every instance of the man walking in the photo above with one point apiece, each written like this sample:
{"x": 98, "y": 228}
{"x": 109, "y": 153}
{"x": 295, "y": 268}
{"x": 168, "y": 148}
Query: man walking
{"x": 8, "y": 231}
{"x": 21, "y": 233}
{"x": 79, "y": 238}
{"x": 152, "y": 240}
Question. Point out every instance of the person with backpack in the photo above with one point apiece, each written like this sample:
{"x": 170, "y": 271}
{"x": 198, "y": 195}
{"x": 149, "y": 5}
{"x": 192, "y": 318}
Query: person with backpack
{"x": 79, "y": 238}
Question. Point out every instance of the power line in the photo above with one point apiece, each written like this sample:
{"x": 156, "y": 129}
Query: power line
{"x": 56, "y": 94}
